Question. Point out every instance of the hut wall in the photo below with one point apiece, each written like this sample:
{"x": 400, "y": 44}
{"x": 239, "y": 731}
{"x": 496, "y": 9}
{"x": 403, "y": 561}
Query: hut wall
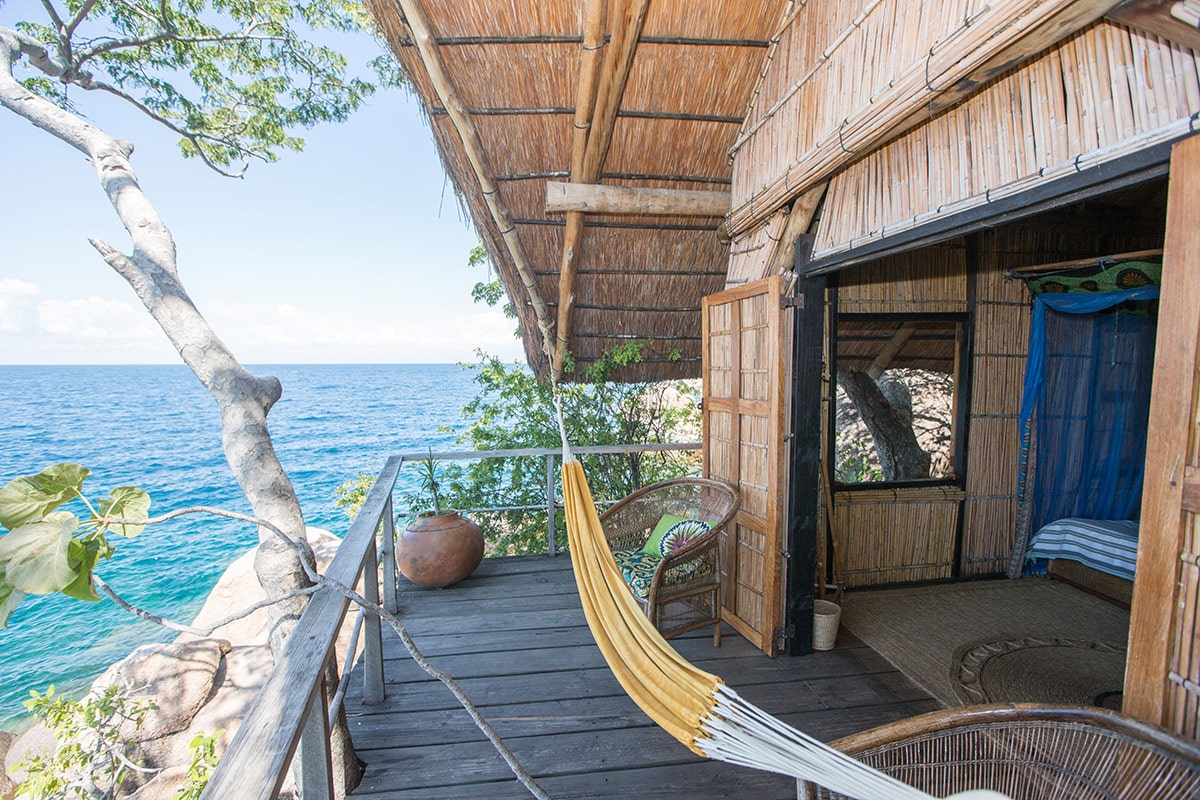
{"x": 1104, "y": 92}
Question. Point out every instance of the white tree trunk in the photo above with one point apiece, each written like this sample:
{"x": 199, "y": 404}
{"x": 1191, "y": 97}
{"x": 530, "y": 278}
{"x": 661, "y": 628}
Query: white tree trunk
{"x": 243, "y": 399}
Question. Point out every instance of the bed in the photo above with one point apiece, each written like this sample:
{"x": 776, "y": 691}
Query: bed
{"x": 1097, "y": 555}
{"x": 1103, "y": 544}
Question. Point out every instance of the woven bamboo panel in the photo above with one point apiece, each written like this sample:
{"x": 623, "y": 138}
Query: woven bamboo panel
{"x": 931, "y": 280}
{"x": 1184, "y": 699}
{"x": 896, "y": 536}
{"x": 757, "y": 348}
{"x": 751, "y": 254}
{"x": 721, "y": 452}
{"x": 1105, "y": 91}
{"x": 750, "y": 576}
{"x": 755, "y": 455}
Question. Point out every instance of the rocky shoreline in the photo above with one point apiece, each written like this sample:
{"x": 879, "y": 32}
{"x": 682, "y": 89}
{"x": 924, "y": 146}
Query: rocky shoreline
{"x": 198, "y": 685}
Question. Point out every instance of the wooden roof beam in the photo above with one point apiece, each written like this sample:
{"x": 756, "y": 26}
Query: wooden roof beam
{"x": 422, "y": 36}
{"x": 594, "y": 198}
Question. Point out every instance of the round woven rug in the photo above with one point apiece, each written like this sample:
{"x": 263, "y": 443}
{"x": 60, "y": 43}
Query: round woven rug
{"x": 1039, "y": 670}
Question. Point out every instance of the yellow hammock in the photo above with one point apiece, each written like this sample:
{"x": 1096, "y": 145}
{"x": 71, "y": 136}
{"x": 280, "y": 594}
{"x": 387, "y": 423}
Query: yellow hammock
{"x": 694, "y": 706}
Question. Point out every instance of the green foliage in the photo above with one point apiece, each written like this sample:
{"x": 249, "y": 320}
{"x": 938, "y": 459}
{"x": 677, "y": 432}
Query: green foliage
{"x": 491, "y": 292}
{"x": 46, "y": 550}
{"x": 429, "y": 470}
{"x": 203, "y": 747}
{"x": 90, "y": 759}
{"x": 351, "y": 494}
{"x": 233, "y": 78}
{"x": 512, "y": 410}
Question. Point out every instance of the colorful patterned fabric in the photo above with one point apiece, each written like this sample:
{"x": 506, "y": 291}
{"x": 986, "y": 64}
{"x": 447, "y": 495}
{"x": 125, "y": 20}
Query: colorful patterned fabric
{"x": 682, "y": 534}
{"x": 637, "y": 568}
{"x": 653, "y": 545}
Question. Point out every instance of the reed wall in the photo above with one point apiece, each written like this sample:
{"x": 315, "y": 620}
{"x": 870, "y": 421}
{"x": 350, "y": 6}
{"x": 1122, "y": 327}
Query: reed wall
{"x": 1102, "y": 93}
{"x": 896, "y": 536}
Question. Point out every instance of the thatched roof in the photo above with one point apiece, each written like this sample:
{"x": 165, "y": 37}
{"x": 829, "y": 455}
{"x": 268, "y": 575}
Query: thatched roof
{"x": 510, "y": 77}
{"x": 527, "y": 95}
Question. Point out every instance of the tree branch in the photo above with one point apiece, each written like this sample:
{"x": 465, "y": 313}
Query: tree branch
{"x": 194, "y": 138}
{"x": 125, "y": 605}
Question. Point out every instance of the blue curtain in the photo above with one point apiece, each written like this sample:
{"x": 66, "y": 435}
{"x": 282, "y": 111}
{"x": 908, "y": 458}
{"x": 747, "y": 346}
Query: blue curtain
{"x": 1088, "y": 376}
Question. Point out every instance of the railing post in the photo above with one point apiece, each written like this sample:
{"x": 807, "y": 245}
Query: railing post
{"x": 314, "y": 772}
{"x": 388, "y": 556}
{"x": 373, "y": 692}
{"x": 551, "y": 546}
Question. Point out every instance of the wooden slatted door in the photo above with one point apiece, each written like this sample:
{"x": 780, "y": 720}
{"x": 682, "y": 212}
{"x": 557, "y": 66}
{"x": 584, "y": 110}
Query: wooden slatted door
{"x": 744, "y": 396}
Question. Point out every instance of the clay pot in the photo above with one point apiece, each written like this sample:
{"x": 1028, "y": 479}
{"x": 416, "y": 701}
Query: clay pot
{"x": 439, "y": 550}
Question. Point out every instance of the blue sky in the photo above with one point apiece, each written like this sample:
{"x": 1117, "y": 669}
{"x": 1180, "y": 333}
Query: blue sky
{"x": 352, "y": 251}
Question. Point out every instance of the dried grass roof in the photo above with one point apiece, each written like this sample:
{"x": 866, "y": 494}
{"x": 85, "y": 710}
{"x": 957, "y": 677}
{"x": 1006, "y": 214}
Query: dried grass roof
{"x": 513, "y": 67}
{"x": 500, "y": 81}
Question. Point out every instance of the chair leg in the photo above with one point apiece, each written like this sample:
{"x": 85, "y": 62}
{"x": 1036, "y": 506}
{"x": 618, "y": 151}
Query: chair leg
{"x": 716, "y": 613}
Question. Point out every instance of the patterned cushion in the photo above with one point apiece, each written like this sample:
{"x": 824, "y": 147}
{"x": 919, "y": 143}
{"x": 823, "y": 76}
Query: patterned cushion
{"x": 682, "y": 534}
{"x": 653, "y": 545}
{"x": 637, "y": 568}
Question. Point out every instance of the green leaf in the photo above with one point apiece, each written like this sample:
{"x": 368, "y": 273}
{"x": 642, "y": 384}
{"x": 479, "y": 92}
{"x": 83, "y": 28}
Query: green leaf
{"x": 32, "y": 497}
{"x": 127, "y": 502}
{"x": 10, "y": 598}
{"x": 82, "y": 557}
{"x": 36, "y": 555}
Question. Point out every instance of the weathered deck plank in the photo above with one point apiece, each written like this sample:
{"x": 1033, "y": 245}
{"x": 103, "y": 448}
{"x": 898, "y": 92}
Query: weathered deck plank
{"x": 515, "y": 638}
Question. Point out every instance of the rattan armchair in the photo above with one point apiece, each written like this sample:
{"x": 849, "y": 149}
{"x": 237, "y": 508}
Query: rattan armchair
{"x": 1029, "y": 752}
{"x": 684, "y": 592}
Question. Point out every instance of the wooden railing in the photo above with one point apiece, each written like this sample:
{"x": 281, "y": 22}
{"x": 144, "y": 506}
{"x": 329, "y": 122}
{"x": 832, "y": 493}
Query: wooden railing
{"x": 290, "y": 719}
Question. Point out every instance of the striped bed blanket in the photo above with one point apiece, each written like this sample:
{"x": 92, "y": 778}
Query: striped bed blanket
{"x": 1104, "y": 544}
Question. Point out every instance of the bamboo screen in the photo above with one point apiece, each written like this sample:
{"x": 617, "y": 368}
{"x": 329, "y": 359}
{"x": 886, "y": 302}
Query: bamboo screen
{"x": 752, "y": 253}
{"x": 896, "y": 536}
{"x": 1100, "y": 94}
{"x": 933, "y": 280}
{"x": 1001, "y": 346}
{"x": 842, "y": 78}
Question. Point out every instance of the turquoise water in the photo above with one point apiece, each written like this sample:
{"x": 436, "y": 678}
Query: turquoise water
{"x": 157, "y": 428}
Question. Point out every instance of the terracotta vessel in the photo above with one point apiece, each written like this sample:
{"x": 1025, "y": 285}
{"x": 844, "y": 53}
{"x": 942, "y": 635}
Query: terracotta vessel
{"x": 439, "y": 550}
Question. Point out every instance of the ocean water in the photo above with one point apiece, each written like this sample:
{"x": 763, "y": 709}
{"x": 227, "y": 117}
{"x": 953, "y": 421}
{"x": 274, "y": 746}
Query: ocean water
{"x": 157, "y": 428}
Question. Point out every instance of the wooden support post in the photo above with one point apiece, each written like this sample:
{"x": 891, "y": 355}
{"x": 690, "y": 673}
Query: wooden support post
{"x": 388, "y": 555}
{"x": 373, "y": 691}
{"x": 1158, "y": 611}
{"x": 314, "y": 771}
{"x": 592, "y": 198}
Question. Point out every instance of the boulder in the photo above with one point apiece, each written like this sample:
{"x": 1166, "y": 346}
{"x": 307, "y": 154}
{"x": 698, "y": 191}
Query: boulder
{"x": 198, "y": 684}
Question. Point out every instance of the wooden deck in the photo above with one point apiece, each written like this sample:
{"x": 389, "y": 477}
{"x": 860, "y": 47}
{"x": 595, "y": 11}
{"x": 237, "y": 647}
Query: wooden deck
{"x": 514, "y": 636}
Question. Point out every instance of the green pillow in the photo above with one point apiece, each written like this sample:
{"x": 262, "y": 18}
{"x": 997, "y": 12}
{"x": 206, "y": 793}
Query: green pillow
{"x": 653, "y": 545}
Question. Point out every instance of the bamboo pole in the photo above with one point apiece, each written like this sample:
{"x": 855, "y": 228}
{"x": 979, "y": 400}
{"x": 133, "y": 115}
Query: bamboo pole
{"x": 614, "y": 74}
{"x": 427, "y": 49}
{"x": 591, "y": 59}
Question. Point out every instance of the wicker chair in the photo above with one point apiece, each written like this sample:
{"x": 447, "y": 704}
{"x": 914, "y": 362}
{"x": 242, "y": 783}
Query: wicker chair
{"x": 683, "y": 593}
{"x": 1029, "y": 752}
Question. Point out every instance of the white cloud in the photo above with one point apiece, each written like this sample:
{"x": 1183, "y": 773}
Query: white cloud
{"x": 16, "y": 303}
{"x": 96, "y": 319}
{"x": 266, "y": 333}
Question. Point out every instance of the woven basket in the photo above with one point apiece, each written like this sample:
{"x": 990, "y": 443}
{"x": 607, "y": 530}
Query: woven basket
{"x": 826, "y": 616}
